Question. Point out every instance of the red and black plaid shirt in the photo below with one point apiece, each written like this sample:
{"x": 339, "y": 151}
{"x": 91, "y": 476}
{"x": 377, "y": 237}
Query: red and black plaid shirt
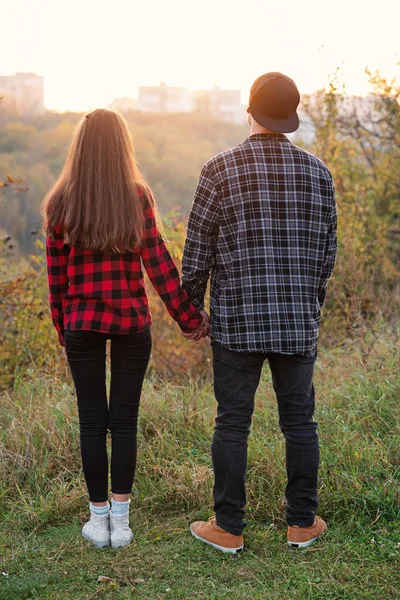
{"x": 106, "y": 292}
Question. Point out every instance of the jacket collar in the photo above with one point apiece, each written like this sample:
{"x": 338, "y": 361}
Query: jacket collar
{"x": 267, "y": 137}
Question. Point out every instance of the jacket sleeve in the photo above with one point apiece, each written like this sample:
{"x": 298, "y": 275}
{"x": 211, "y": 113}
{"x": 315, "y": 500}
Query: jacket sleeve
{"x": 202, "y": 233}
{"x": 57, "y": 261}
{"x": 164, "y": 275}
{"x": 330, "y": 248}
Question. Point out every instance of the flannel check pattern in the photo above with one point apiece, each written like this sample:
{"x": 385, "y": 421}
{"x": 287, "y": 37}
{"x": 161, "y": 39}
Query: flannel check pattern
{"x": 263, "y": 222}
{"x": 106, "y": 292}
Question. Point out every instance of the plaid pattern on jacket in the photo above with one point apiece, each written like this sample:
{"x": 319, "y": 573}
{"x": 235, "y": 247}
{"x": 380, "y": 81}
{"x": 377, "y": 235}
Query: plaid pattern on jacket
{"x": 263, "y": 222}
{"x": 106, "y": 292}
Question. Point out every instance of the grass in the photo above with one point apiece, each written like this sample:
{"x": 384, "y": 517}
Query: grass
{"x": 165, "y": 562}
{"x": 44, "y": 500}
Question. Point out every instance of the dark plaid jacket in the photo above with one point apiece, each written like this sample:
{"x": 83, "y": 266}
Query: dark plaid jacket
{"x": 106, "y": 292}
{"x": 263, "y": 222}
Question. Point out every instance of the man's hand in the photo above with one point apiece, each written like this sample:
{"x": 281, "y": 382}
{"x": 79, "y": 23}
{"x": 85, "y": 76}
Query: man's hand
{"x": 202, "y": 331}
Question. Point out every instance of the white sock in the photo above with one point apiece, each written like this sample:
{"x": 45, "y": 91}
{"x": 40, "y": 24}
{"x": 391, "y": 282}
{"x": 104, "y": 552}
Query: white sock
{"x": 100, "y": 511}
{"x": 119, "y": 508}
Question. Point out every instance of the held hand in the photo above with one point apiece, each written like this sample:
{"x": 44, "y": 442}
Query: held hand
{"x": 196, "y": 335}
{"x": 200, "y": 332}
{"x": 206, "y": 317}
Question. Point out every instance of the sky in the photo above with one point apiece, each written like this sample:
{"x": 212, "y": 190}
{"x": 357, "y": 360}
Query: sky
{"x": 92, "y": 51}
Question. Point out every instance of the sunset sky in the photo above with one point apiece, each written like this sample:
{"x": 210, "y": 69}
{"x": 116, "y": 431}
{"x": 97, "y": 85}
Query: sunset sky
{"x": 91, "y": 51}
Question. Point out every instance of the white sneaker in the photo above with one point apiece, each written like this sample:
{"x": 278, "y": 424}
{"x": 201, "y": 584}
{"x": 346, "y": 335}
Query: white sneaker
{"x": 121, "y": 533}
{"x": 97, "y": 530}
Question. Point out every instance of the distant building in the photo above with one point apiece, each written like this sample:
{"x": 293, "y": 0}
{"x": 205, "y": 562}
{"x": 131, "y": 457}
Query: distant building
{"x": 222, "y": 104}
{"x": 164, "y": 98}
{"x": 123, "y": 104}
{"x": 23, "y": 93}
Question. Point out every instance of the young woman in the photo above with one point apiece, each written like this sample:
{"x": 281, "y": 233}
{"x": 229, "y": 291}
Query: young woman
{"x": 100, "y": 222}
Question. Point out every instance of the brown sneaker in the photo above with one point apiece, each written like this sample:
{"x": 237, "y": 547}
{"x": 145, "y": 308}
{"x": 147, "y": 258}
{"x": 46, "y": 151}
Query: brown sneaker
{"x": 210, "y": 533}
{"x": 301, "y": 537}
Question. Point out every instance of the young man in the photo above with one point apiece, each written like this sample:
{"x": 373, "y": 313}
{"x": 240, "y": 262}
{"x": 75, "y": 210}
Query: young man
{"x": 263, "y": 222}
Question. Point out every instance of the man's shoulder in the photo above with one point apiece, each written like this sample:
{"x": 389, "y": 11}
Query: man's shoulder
{"x": 237, "y": 152}
{"x": 218, "y": 164}
{"x": 312, "y": 160}
{"x": 223, "y": 158}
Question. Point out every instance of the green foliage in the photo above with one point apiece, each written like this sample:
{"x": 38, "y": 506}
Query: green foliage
{"x": 171, "y": 151}
{"x": 361, "y": 146}
{"x": 27, "y": 340}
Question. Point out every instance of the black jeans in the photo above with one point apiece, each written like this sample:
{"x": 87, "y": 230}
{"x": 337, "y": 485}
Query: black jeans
{"x": 130, "y": 354}
{"x": 236, "y": 378}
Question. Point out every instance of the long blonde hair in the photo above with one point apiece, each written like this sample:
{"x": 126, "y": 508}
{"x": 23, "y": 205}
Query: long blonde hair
{"x": 98, "y": 198}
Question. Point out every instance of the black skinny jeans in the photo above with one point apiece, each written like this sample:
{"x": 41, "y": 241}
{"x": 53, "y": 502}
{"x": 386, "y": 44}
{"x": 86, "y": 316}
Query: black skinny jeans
{"x": 236, "y": 378}
{"x": 130, "y": 354}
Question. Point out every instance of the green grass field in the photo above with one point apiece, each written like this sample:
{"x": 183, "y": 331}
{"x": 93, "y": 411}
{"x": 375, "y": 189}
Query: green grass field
{"x": 44, "y": 501}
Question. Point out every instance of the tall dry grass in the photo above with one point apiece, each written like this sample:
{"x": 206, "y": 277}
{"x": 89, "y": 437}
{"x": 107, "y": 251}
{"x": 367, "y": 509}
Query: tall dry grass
{"x": 357, "y": 409}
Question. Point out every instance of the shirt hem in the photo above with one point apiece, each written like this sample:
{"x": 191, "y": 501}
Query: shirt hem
{"x": 309, "y": 351}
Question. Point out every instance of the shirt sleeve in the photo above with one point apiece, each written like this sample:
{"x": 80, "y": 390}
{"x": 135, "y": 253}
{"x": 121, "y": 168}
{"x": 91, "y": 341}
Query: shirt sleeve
{"x": 164, "y": 275}
{"x": 57, "y": 261}
{"x": 202, "y": 233}
{"x": 330, "y": 249}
